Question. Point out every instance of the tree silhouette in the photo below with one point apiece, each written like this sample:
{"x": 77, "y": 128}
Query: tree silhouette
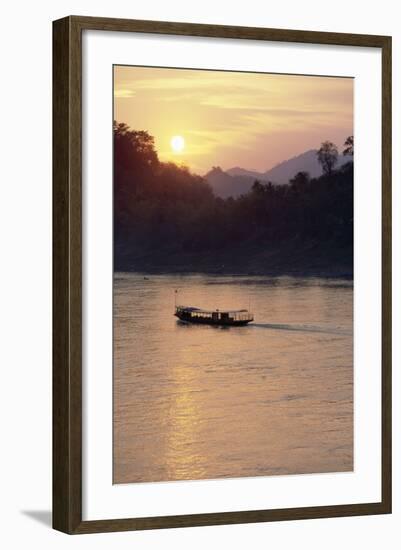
{"x": 327, "y": 156}
{"x": 165, "y": 215}
{"x": 349, "y": 146}
{"x": 257, "y": 187}
{"x": 300, "y": 180}
{"x": 133, "y": 149}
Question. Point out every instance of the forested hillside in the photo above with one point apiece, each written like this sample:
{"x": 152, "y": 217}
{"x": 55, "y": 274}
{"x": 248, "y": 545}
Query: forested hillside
{"x": 168, "y": 219}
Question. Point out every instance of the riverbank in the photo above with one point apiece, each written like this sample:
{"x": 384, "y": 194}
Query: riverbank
{"x": 294, "y": 259}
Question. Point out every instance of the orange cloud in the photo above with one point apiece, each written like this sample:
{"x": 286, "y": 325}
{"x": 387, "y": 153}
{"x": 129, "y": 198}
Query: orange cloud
{"x": 230, "y": 118}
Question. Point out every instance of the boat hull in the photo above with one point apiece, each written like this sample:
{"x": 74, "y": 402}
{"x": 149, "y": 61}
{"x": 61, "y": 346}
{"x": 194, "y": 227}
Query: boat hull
{"x": 214, "y": 322}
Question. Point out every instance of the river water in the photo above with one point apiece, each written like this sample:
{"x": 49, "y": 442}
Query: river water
{"x": 200, "y": 402}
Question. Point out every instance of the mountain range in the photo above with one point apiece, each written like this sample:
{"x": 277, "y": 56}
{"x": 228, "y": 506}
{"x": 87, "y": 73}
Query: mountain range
{"x": 238, "y": 181}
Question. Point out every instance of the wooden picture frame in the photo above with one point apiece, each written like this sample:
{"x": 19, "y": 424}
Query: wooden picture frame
{"x": 67, "y": 274}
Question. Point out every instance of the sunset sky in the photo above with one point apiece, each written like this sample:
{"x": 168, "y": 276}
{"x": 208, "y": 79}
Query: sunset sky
{"x": 232, "y": 119}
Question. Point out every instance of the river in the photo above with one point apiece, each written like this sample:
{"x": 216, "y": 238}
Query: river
{"x": 200, "y": 402}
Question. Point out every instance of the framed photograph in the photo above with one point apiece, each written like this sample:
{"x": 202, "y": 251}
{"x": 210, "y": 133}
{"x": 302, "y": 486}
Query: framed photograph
{"x": 222, "y": 275}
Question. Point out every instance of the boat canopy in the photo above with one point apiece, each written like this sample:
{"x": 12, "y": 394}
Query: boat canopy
{"x": 198, "y": 310}
{"x": 217, "y": 314}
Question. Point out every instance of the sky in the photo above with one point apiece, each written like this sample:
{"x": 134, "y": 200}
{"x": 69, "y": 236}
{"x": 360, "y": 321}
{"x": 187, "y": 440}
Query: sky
{"x": 228, "y": 119}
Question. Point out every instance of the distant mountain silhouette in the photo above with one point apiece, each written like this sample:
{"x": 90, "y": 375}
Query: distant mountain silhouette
{"x": 306, "y": 162}
{"x": 238, "y": 181}
{"x": 237, "y": 171}
{"x": 225, "y": 185}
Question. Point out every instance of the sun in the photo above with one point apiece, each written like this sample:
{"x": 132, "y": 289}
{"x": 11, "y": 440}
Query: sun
{"x": 177, "y": 144}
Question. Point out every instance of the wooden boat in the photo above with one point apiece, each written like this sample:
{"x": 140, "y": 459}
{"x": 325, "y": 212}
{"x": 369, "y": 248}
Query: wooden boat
{"x": 231, "y": 318}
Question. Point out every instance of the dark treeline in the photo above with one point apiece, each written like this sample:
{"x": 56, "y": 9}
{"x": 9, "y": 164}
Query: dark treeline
{"x": 166, "y": 218}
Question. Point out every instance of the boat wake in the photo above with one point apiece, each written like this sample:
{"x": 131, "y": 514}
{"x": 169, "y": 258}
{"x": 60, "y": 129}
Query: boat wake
{"x": 302, "y": 328}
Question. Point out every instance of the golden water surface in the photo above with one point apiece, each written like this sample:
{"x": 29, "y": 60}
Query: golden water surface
{"x": 201, "y": 402}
